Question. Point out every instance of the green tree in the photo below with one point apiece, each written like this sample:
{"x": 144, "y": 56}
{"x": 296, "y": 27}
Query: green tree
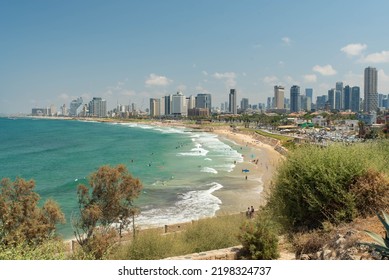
{"x": 21, "y": 219}
{"x": 107, "y": 201}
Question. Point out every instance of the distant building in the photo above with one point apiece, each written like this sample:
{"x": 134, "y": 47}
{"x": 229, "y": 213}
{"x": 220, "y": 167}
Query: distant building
{"x": 331, "y": 98}
{"x": 279, "y": 97}
{"x": 40, "y": 112}
{"x": 295, "y": 99}
{"x": 98, "y": 107}
{"x": 204, "y": 101}
{"x": 191, "y": 102}
{"x": 74, "y": 105}
{"x": 168, "y": 104}
{"x": 244, "y": 104}
{"x": 370, "y": 90}
{"x": 155, "y": 107}
{"x": 347, "y": 97}
{"x": 355, "y": 99}
{"x": 339, "y": 96}
{"x": 233, "y": 109}
{"x": 179, "y": 105}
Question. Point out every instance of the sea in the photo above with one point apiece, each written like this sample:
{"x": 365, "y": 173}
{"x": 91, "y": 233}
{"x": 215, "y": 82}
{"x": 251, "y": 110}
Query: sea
{"x": 180, "y": 169}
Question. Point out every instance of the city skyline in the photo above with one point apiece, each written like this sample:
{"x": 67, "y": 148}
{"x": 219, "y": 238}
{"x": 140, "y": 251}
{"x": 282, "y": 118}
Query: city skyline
{"x": 129, "y": 52}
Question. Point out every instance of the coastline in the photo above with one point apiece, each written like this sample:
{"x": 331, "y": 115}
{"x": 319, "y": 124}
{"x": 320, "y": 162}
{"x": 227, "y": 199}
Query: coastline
{"x": 259, "y": 158}
{"x": 262, "y": 168}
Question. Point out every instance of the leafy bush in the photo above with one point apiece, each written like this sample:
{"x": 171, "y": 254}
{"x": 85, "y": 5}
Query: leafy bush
{"x": 48, "y": 250}
{"x": 202, "y": 235}
{"x": 259, "y": 239}
{"x": 313, "y": 184}
{"x": 371, "y": 192}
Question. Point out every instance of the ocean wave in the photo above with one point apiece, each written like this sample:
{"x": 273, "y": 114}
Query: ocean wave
{"x": 192, "y": 205}
{"x": 209, "y": 170}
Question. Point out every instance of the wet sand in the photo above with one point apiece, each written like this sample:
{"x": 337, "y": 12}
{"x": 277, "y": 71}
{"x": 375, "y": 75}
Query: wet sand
{"x": 261, "y": 161}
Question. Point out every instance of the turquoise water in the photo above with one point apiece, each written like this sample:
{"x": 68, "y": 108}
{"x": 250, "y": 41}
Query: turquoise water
{"x": 179, "y": 169}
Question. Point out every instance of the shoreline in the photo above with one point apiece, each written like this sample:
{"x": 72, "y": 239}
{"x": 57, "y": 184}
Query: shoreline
{"x": 259, "y": 158}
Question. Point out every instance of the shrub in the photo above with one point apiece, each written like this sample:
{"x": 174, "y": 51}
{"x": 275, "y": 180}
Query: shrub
{"x": 313, "y": 184}
{"x": 259, "y": 239}
{"x": 371, "y": 192}
{"x": 48, "y": 250}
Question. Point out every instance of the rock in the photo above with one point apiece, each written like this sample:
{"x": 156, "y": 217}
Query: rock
{"x": 305, "y": 257}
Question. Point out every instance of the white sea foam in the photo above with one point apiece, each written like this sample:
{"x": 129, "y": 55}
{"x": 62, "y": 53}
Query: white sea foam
{"x": 209, "y": 170}
{"x": 191, "y": 205}
{"x": 208, "y": 159}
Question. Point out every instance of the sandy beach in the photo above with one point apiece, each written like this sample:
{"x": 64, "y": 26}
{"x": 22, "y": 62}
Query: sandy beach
{"x": 261, "y": 168}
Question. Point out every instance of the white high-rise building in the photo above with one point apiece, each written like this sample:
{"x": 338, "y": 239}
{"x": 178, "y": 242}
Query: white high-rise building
{"x": 279, "y": 92}
{"x": 179, "y": 105}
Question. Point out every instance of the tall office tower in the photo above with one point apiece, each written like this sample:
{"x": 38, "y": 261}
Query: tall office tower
{"x": 98, "y": 107}
{"x": 191, "y": 102}
{"x": 232, "y": 99}
{"x": 321, "y": 102}
{"x": 339, "y": 96}
{"x": 309, "y": 93}
{"x": 244, "y": 104}
{"x": 279, "y": 97}
{"x": 204, "y": 100}
{"x": 295, "y": 99}
{"x": 355, "y": 99}
{"x": 155, "y": 107}
{"x": 74, "y": 106}
{"x": 347, "y": 97}
{"x": 370, "y": 92}
{"x": 331, "y": 98}
{"x": 168, "y": 104}
{"x": 380, "y": 99}
{"x": 179, "y": 105}
{"x": 269, "y": 103}
{"x": 222, "y": 107}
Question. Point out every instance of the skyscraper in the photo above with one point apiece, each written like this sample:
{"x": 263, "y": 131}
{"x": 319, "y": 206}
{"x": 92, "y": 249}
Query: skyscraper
{"x": 370, "y": 90}
{"x": 244, "y": 104}
{"x": 295, "y": 99}
{"x": 279, "y": 97}
{"x": 339, "y": 99}
{"x": 204, "y": 100}
{"x": 155, "y": 107}
{"x": 355, "y": 99}
{"x": 74, "y": 106}
{"x": 232, "y": 98}
{"x": 347, "y": 97}
{"x": 331, "y": 98}
{"x": 98, "y": 107}
{"x": 179, "y": 105}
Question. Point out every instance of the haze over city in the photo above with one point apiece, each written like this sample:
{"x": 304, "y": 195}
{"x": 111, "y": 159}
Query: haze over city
{"x": 131, "y": 51}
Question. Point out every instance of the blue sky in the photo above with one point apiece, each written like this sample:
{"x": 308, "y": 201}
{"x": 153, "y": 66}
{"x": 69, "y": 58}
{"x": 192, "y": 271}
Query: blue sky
{"x": 129, "y": 51}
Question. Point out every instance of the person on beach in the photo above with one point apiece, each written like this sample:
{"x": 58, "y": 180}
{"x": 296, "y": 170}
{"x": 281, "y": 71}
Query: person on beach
{"x": 252, "y": 212}
{"x": 248, "y": 213}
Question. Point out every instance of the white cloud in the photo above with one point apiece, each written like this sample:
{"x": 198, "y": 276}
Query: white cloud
{"x": 354, "y": 49}
{"x": 286, "y": 40}
{"x": 310, "y": 78}
{"x": 379, "y": 57}
{"x": 270, "y": 79}
{"x": 229, "y": 77}
{"x": 326, "y": 70}
{"x": 64, "y": 97}
{"x": 199, "y": 88}
{"x": 181, "y": 88}
{"x": 205, "y": 73}
{"x": 155, "y": 80}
